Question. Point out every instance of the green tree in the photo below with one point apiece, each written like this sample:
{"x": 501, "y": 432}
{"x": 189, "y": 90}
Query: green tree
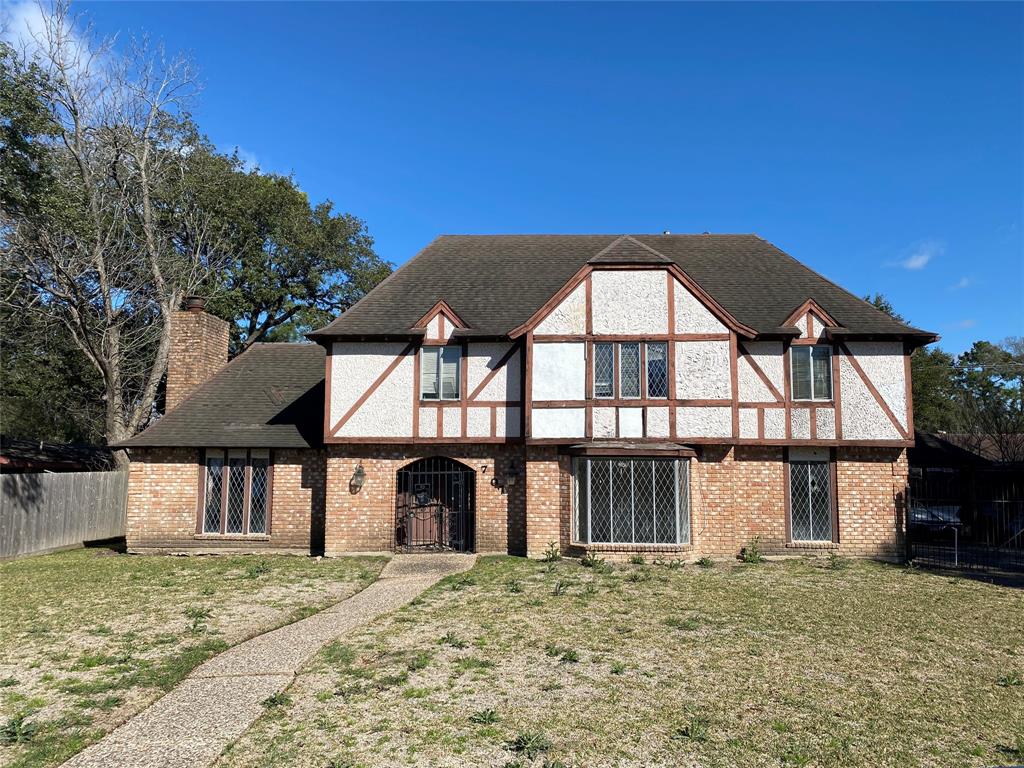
{"x": 289, "y": 267}
{"x": 990, "y": 383}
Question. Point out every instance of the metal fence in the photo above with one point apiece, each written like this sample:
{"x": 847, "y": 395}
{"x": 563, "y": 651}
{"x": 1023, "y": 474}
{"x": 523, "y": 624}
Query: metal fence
{"x": 966, "y": 518}
{"x": 48, "y": 511}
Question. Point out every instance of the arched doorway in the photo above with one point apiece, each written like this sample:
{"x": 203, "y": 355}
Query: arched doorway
{"x": 435, "y": 506}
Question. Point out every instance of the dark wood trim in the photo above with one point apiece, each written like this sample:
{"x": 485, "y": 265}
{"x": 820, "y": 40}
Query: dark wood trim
{"x": 874, "y": 392}
{"x": 635, "y": 402}
{"x": 596, "y": 449}
{"x": 550, "y": 304}
{"x": 588, "y": 389}
{"x": 908, "y": 387}
{"x": 760, "y": 423}
{"x": 469, "y": 403}
{"x": 810, "y": 326}
{"x": 427, "y": 440}
{"x": 246, "y": 490}
{"x": 440, "y": 422}
{"x": 528, "y": 386}
{"x": 442, "y": 307}
{"x": 588, "y": 294}
{"x": 706, "y": 441}
{"x": 627, "y": 337}
{"x": 760, "y": 373}
{"x": 734, "y": 383}
{"x": 787, "y": 388}
{"x": 494, "y": 422}
{"x": 328, "y": 390}
{"x": 812, "y": 422}
{"x": 225, "y": 483}
{"x": 489, "y": 376}
{"x": 810, "y": 306}
{"x": 671, "y": 367}
{"x": 807, "y": 343}
{"x": 411, "y": 346}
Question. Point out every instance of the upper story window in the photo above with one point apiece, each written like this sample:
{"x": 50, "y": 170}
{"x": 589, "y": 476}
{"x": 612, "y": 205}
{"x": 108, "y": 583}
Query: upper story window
{"x": 637, "y": 369}
{"x": 439, "y": 373}
{"x": 236, "y": 492}
{"x": 811, "y": 372}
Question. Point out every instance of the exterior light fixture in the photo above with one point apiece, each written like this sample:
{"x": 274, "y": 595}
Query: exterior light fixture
{"x": 355, "y": 485}
{"x": 508, "y": 479}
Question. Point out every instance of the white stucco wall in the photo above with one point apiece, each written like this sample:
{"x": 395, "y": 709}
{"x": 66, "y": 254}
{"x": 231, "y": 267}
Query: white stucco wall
{"x": 775, "y": 423}
{"x": 434, "y": 327}
{"x": 801, "y": 323}
{"x": 629, "y": 301}
{"x": 863, "y": 418}
{"x": 702, "y": 370}
{"x": 478, "y": 422}
{"x": 826, "y": 424}
{"x": 631, "y": 422}
{"x": 692, "y": 316}
{"x": 354, "y": 368}
{"x": 481, "y": 360}
{"x": 703, "y": 422}
{"x": 558, "y": 422}
{"x": 657, "y": 422}
{"x": 748, "y": 423}
{"x": 570, "y": 316}
{"x": 559, "y": 371}
{"x": 451, "y": 422}
{"x": 800, "y": 423}
{"x": 427, "y": 426}
{"x": 768, "y": 356}
{"x": 603, "y": 420}
{"x": 882, "y": 362}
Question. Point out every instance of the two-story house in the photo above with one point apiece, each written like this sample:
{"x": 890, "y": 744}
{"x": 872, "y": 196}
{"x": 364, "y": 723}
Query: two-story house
{"x": 671, "y": 394}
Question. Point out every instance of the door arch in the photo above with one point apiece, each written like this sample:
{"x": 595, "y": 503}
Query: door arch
{"x": 435, "y": 506}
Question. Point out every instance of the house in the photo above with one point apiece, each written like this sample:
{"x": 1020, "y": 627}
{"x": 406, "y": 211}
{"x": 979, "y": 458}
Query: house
{"x": 679, "y": 395}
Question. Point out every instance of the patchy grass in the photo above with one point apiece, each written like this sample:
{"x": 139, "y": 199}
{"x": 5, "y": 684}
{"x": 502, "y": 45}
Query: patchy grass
{"x": 795, "y": 663}
{"x": 88, "y": 638}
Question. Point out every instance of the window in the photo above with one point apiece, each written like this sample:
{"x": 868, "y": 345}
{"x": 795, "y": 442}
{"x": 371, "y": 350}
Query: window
{"x": 439, "y": 373}
{"x": 631, "y": 501}
{"x": 657, "y": 369}
{"x": 236, "y": 492}
{"x": 810, "y": 501}
{"x": 604, "y": 370}
{"x": 812, "y": 372}
{"x": 631, "y": 371}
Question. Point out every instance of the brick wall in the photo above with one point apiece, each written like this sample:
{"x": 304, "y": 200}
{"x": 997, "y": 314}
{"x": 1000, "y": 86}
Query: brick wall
{"x": 163, "y": 491}
{"x": 548, "y": 497}
{"x": 872, "y": 501}
{"x": 199, "y": 348}
{"x": 365, "y": 521}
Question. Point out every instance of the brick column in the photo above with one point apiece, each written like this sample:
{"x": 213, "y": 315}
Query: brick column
{"x": 199, "y": 348}
{"x": 544, "y": 501}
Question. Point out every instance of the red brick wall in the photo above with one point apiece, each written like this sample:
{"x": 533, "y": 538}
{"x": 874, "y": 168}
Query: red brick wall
{"x": 163, "y": 489}
{"x": 872, "y": 501}
{"x": 365, "y": 521}
{"x": 199, "y": 348}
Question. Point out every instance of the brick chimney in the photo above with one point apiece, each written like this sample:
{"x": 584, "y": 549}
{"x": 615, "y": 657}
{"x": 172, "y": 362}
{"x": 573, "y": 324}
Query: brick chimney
{"x": 199, "y": 348}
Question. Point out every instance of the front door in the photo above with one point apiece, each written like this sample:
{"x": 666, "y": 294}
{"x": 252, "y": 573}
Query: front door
{"x": 435, "y": 506}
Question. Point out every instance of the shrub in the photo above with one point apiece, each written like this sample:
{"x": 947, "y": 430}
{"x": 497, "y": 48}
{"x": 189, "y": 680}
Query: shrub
{"x": 706, "y": 562}
{"x": 591, "y": 560}
{"x": 752, "y": 552}
{"x": 636, "y": 560}
{"x": 530, "y": 744}
{"x": 552, "y": 554}
{"x": 638, "y": 575}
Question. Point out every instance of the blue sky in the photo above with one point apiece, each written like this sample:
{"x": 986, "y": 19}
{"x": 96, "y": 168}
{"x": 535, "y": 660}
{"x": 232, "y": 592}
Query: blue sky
{"x": 880, "y": 144}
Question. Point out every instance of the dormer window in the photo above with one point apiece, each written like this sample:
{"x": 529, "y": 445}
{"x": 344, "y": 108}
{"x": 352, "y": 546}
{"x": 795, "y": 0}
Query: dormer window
{"x": 439, "y": 372}
{"x": 811, "y": 366}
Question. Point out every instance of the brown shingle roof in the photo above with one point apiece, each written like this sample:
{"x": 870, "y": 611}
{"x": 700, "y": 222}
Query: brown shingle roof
{"x": 496, "y": 282}
{"x": 271, "y": 396}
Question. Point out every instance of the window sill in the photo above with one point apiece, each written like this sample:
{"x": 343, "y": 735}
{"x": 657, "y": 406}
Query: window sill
{"x": 812, "y": 545}
{"x": 633, "y": 547}
{"x": 232, "y": 537}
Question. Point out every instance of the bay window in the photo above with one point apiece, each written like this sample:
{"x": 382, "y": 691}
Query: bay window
{"x": 631, "y": 501}
{"x": 811, "y": 372}
{"x": 235, "y": 495}
{"x": 439, "y": 372}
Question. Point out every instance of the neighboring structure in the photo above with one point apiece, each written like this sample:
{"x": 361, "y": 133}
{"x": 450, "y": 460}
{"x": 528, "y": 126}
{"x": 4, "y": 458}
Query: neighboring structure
{"x": 18, "y": 456}
{"x": 672, "y": 394}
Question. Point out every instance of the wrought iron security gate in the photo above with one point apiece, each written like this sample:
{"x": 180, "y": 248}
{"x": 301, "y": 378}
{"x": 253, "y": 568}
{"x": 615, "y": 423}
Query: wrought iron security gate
{"x": 434, "y": 506}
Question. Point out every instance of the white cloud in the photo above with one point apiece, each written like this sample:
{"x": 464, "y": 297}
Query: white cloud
{"x": 967, "y": 323}
{"x": 960, "y": 284}
{"x": 249, "y": 160}
{"x": 918, "y": 255}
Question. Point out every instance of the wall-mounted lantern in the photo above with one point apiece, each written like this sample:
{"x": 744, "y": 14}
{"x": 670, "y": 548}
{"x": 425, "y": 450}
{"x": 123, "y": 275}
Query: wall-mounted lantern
{"x": 355, "y": 485}
{"x": 509, "y": 478}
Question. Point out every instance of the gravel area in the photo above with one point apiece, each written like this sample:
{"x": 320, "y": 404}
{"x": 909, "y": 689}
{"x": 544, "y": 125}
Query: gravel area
{"x": 192, "y": 724}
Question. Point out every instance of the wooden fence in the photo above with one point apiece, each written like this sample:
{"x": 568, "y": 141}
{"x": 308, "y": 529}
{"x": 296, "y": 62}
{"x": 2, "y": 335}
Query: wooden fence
{"x": 41, "y": 512}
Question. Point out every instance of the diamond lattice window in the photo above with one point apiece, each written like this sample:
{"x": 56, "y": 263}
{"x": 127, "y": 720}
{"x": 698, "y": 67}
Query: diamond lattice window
{"x": 631, "y": 501}
{"x": 236, "y": 492}
{"x": 629, "y": 369}
{"x": 810, "y": 501}
{"x": 657, "y": 369}
{"x": 604, "y": 370}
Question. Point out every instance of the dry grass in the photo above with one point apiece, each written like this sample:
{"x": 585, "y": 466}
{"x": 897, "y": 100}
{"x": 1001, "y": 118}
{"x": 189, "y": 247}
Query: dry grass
{"x": 88, "y": 638}
{"x": 802, "y": 663}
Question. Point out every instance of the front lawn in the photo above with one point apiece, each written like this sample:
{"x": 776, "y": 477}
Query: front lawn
{"x": 90, "y": 637}
{"x": 799, "y": 663}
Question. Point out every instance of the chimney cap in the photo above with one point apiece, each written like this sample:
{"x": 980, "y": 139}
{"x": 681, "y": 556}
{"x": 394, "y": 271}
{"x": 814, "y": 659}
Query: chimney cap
{"x": 195, "y": 303}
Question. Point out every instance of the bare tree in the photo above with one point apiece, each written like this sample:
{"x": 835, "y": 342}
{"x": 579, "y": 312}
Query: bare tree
{"x": 117, "y": 246}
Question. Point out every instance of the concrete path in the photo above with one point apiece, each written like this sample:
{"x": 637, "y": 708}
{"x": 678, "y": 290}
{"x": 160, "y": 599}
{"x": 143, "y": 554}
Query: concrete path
{"x": 212, "y": 707}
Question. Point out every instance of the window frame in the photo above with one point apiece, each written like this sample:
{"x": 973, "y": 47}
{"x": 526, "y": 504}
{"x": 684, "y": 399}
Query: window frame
{"x": 643, "y": 372}
{"x": 640, "y": 377}
{"x": 646, "y": 360}
{"x": 810, "y": 367}
{"x": 225, "y": 456}
{"x": 833, "y": 499}
{"x": 438, "y": 373}
{"x": 614, "y": 366}
{"x": 681, "y": 470}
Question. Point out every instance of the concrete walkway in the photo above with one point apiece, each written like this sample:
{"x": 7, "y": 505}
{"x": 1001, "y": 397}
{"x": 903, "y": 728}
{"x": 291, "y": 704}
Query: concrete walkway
{"x": 212, "y": 707}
